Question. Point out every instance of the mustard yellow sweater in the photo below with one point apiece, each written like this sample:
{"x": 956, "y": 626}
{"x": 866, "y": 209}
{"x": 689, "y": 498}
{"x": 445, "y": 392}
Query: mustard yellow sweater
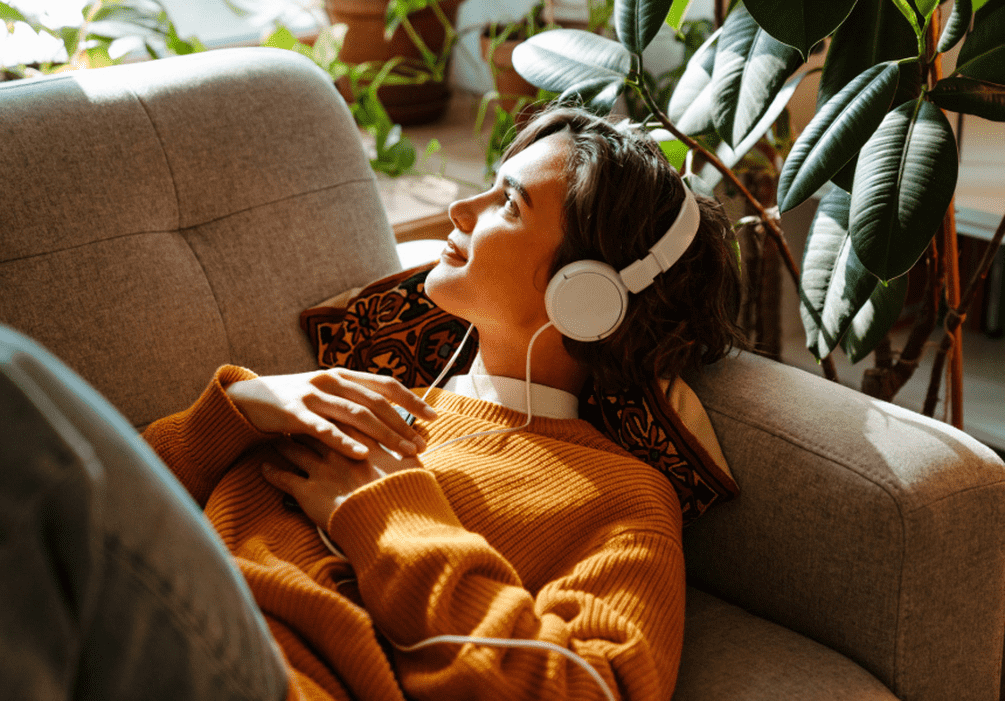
{"x": 551, "y": 534}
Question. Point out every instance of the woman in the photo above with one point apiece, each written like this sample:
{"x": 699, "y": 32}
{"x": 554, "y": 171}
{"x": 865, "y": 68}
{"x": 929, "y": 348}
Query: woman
{"x": 521, "y": 560}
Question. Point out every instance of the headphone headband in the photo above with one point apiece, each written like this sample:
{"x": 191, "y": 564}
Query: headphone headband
{"x": 668, "y": 250}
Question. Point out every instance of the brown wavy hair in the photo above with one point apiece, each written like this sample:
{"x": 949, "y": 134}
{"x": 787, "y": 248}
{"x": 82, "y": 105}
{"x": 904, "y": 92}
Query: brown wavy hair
{"x": 622, "y": 197}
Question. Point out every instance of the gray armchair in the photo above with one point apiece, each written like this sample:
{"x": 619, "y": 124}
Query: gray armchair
{"x": 162, "y": 219}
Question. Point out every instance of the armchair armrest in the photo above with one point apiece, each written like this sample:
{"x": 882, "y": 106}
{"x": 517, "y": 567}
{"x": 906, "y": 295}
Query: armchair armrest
{"x": 867, "y": 527}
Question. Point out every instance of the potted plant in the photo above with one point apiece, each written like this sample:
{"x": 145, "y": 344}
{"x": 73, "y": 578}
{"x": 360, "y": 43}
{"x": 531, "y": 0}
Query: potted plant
{"x": 416, "y": 36}
{"x": 879, "y": 136}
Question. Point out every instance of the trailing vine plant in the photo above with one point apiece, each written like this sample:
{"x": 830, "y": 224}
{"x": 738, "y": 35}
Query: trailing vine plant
{"x": 879, "y": 138}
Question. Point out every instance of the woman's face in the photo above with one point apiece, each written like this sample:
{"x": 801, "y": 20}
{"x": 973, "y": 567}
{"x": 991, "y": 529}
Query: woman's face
{"x": 495, "y": 267}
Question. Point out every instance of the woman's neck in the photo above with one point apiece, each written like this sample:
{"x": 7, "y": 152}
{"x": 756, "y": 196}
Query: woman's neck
{"x": 551, "y": 364}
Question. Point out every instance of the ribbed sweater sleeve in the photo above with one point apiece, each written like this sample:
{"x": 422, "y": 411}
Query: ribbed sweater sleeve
{"x": 421, "y": 573}
{"x": 200, "y": 443}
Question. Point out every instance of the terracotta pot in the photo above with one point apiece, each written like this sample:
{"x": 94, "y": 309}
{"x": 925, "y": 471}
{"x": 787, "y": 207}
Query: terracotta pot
{"x": 509, "y": 83}
{"x": 364, "y": 41}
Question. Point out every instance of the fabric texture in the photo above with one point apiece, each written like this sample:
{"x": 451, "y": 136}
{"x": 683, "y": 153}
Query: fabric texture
{"x": 114, "y": 585}
{"x": 454, "y": 548}
{"x": 857, "y": 528}
{"x": 722, "y": 643}
{"x": 390, "y": 327}
{"x": 225, "y": 176}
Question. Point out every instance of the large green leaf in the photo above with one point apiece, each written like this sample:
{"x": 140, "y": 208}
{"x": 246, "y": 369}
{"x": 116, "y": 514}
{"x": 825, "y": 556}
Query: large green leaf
{"x": 799, "y": 23}
{"x": 690, "y": 107}
{"x": 562, "y": 58}
{"x": 875, "y": 319}
{"x": 730, "y": 156}
{"x": 956, "y": 25}
{"x": 961, "y": 94}
{"x": 598, "y": 95}
{"x": 837, "y": 293}
{"x": 875, "y": 32}
{"x": 983, "y": 53}
{"x": 904, "y": 182}
{"x": 750, "y": 67}
{"x": 637, "y": 21}
{"x": 836, "y": 133}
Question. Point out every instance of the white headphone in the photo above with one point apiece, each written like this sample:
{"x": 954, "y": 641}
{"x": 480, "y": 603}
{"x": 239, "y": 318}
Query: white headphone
{"x": 587, "y": 300}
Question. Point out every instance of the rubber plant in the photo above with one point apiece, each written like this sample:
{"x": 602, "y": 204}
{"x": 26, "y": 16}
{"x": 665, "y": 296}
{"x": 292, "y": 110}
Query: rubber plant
{"x": 879, "y": 137}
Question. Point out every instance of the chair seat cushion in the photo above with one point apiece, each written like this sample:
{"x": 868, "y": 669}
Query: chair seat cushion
{"x": 732, "y": 655}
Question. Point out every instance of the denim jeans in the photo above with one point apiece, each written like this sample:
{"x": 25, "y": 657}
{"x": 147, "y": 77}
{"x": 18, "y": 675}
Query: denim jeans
{"x": 112, "y": 583}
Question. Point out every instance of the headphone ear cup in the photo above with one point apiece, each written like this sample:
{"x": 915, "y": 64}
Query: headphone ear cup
{"x": 586, "y": 300}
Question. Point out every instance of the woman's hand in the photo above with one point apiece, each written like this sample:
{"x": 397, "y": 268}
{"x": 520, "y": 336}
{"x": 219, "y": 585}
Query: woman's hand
{"x": 326, "y": 476}
{"x": 323, "y": 404}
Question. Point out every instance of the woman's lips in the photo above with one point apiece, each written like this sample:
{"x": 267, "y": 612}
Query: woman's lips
{"x": 452, "y": 253}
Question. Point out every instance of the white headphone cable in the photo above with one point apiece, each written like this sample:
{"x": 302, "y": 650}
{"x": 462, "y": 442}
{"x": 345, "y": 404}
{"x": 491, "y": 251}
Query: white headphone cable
{"x": 530, "y": 411}
{"x": 518, "y": 643}
{"x": 450, "y": 363}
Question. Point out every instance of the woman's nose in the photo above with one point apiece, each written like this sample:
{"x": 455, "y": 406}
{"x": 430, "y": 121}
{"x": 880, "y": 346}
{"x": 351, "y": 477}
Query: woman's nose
{"x": 463, "y": 214}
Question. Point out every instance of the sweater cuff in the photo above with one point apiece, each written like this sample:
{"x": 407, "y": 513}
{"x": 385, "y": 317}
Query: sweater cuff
{"x": 390, "y": 510}
{"x": 214, "y": 426}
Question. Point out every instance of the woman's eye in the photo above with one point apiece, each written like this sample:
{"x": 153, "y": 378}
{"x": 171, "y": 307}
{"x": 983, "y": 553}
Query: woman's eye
{"x": 510, "y": 206}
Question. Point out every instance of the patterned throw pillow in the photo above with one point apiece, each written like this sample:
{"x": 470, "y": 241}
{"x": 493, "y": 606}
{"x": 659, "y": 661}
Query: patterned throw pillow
{"x": 390, "y": 327}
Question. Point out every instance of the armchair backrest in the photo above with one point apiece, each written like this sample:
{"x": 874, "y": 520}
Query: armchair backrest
{"x": 163, "y": 218}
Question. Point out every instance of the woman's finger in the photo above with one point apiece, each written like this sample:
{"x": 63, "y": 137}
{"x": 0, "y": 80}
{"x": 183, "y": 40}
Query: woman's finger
{"x": 282, "y": 480}
{"x": 330, "y": 435}
{"x": 390, "y": 389}
{"x": 372, "y": 415}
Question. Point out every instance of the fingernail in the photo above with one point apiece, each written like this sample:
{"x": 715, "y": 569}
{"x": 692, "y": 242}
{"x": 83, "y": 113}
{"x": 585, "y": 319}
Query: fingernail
{"x": 407, "y": 447}
{"x": 359, "y": 450}
{"x": 429, "y": 413}
{"x": 420, "y": 443}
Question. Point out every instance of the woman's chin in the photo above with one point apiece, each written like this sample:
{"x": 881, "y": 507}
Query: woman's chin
{"x": 437, "y": 288}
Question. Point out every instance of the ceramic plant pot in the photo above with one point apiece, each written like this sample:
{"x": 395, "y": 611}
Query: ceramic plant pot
{"x": 364, "y": 41}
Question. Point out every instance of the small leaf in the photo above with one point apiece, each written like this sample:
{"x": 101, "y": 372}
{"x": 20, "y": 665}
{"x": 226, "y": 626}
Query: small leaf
{"x": 750, "y": 67}
{"x": 282, "y": 38}
{"x": 675, "y": 18}
{"x": 690, "y": 107}
{"x": 799, "y": 23}
{"x": 910, "y": 14}
{"x": 636, "y": 22}
{"x": 970, "y": 96}
{"x": 926, "y": 8}
{"x": 904, "y": 182}
{"x": 675, "y": 152}
{"x": 956, "y": 25}
{"x": 560, "y": 58}
{"x": 11, "y": 14}
{"x": 983, "y": 53}
{"x": 328, "y": 45}
{"x": 836, "y": 133}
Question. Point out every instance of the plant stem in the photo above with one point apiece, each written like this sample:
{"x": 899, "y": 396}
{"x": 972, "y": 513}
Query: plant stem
{"x": 770, "y": 222}
{"x": 774, "y": 230}
{"x": 951, "y": 265}
{"x": 956, "y": 316}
